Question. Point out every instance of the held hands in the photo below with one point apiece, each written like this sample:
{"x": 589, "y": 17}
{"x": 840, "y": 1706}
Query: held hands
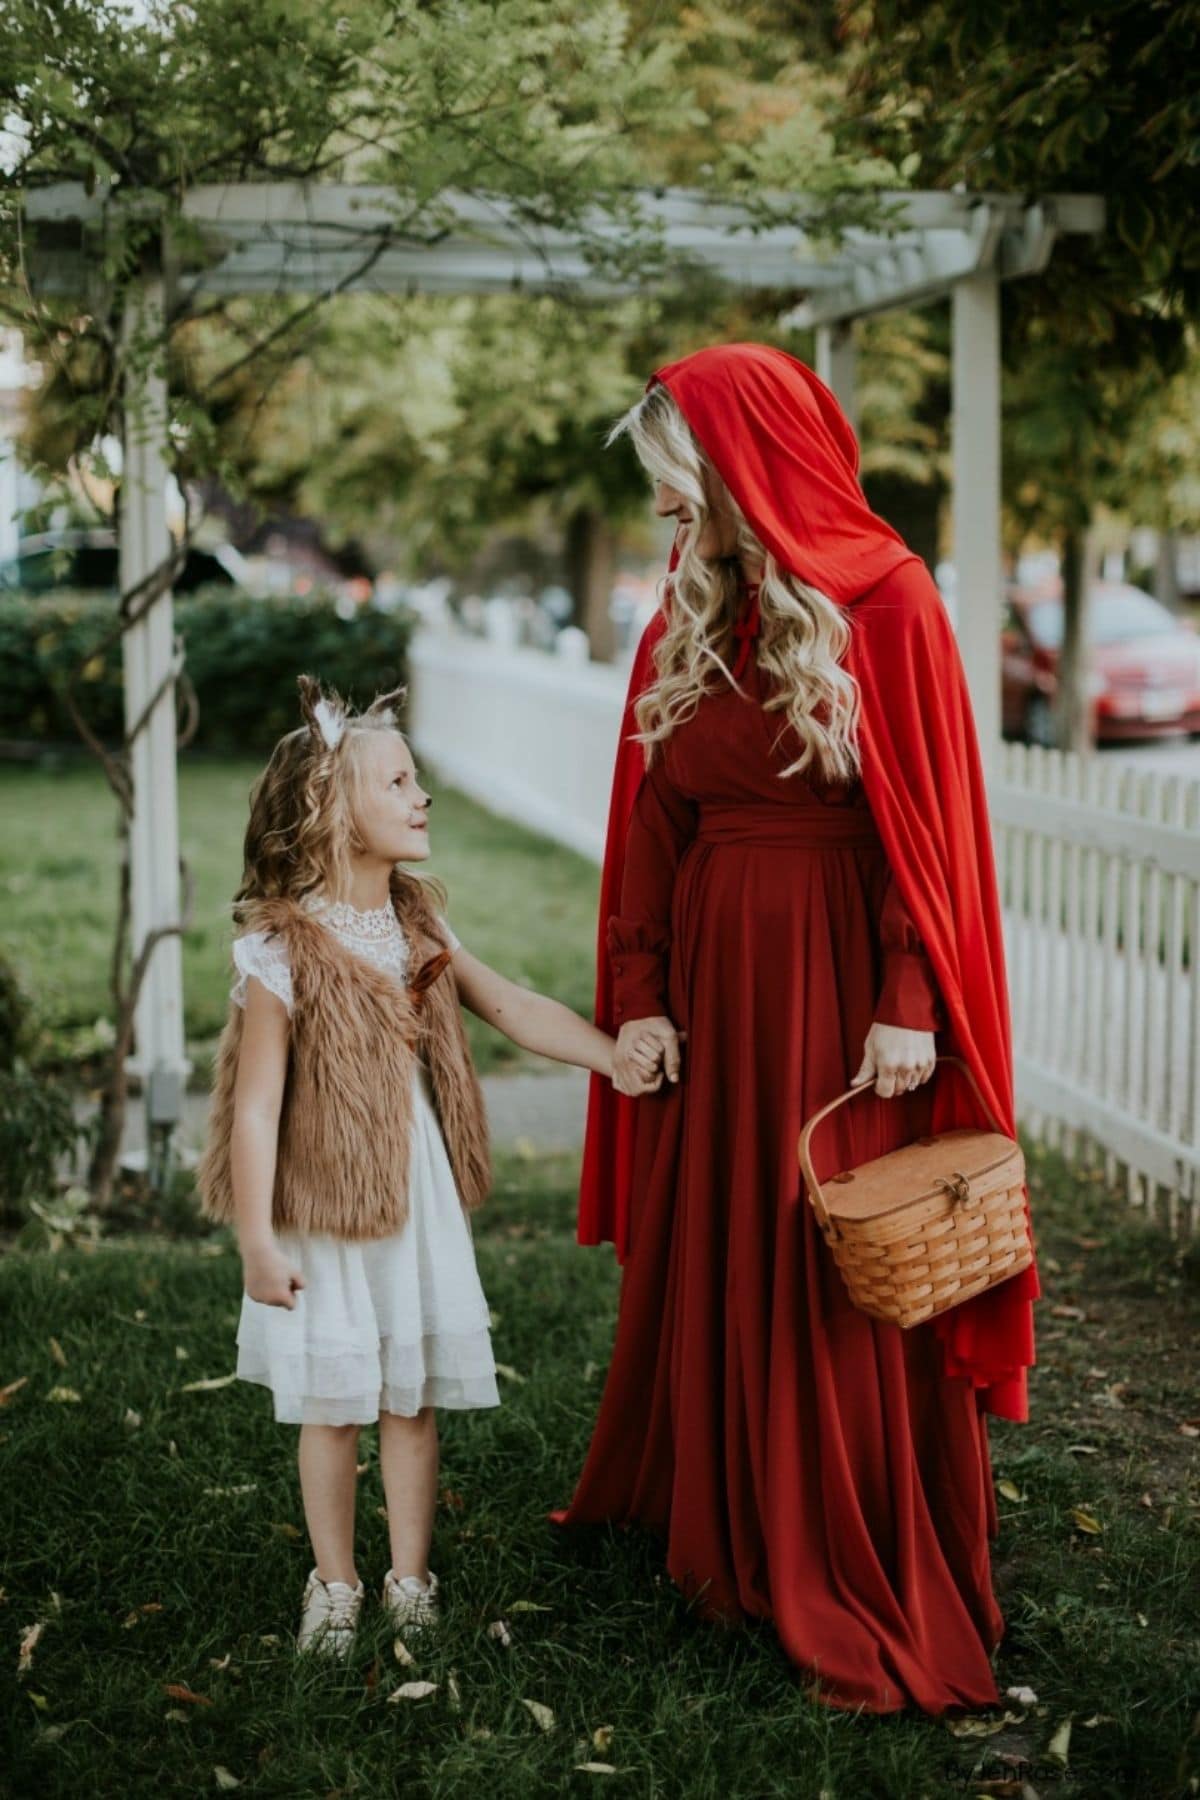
{"x": 270, "y": 1276}
{"x": 896, "y": 1058}
{"x": 645, "y": 1051}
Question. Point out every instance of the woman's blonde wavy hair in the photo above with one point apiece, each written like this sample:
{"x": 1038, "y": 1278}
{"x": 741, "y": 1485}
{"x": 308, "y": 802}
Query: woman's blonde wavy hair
{"x": 302, "y": 831}
{"x": 804, "y": 633}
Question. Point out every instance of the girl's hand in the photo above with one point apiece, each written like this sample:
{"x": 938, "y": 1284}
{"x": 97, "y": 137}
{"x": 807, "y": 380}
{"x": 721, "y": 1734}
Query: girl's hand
{"x": 898, "y": 1059}
{"x": 270, "y": 1276}
{"x": 646, "y": 1049}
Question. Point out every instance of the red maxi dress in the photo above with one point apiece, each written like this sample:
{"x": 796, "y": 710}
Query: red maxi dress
{"x": 804, "y": 1463}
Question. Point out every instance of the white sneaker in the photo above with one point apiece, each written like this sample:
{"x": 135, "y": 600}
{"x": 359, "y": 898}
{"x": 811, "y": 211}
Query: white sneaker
{"x": 329, "y": 1615}
{"x": 409, "y": 1602}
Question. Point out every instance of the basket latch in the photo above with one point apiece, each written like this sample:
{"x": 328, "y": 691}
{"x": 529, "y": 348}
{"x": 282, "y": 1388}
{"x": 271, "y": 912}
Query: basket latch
{"x": 959, "y": 1185}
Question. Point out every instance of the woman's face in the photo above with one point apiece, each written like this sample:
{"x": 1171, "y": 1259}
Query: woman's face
{"x": 719, "y": 535}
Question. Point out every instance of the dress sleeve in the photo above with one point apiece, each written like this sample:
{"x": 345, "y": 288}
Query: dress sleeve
{"x": 264, "y": 956}
{"x": 909, "y": 995}
{"x": 661, "y": 825}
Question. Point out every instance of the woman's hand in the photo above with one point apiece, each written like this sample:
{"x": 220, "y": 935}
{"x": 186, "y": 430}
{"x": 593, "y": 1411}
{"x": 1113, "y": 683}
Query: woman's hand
{"x": 270, "y": 1276}
{"x": 898, "y": 1059}
{"x": 645, "y": 1050}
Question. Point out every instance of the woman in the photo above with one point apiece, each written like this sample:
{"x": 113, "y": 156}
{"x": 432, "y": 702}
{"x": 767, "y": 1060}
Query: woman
{"x": 799, "y": 885}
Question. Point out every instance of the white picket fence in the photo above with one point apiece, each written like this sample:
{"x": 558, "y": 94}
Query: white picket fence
{"x": 1099, "y": 867}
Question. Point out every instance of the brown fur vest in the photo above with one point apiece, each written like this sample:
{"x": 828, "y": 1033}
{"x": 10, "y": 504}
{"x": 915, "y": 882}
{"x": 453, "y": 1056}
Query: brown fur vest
{"x": 343, "y": 1149}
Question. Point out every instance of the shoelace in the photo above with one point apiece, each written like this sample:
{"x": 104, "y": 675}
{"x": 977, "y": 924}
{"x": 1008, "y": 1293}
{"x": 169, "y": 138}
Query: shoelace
{"x": 342, "y": 1610}
{"x": 423, "y": 1601}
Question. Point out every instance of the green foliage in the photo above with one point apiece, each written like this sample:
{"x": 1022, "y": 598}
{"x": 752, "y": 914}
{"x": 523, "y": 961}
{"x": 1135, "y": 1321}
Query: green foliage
{"x": 37, "y": 1119}
{"x": 243, "y": 656}
{"x": 1073, "y": 98}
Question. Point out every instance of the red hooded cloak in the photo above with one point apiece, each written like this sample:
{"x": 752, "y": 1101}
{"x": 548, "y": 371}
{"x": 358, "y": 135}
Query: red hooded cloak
{"x": 784, "y": 448}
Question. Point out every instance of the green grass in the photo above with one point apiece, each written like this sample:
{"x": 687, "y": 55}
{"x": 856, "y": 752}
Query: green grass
{"x": 99, "y": 1519}
{"x": 519, "y": 902}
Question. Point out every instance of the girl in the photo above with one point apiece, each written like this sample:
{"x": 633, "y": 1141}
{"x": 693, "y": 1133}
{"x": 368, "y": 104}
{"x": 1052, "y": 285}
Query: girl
{"x": 348, "y": 1141}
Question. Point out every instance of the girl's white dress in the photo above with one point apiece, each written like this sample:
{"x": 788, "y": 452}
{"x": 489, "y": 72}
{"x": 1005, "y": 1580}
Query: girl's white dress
{"x": 388, "y": 1324}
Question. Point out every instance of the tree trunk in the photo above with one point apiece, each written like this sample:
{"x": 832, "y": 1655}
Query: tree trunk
{"x": 590, "y": 554}
{"x": 1073, "y": 704}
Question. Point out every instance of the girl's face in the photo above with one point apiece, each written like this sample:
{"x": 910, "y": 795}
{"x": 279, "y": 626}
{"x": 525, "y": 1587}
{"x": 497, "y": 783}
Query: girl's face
{"x": 391, "y": 805}
{"x": 719, "y": 535}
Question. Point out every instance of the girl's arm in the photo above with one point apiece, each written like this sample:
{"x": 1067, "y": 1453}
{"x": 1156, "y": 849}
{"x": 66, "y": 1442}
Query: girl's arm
{"x": 534, "y": 1021}
{"x": 269, "y": 1276}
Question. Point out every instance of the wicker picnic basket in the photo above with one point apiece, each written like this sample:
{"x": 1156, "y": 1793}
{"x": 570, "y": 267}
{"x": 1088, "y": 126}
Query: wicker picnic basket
{"x": 921, "y": 1228}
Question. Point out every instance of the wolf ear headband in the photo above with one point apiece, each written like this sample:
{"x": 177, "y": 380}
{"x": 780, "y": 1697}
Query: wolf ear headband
{"x": 326, "y": 714}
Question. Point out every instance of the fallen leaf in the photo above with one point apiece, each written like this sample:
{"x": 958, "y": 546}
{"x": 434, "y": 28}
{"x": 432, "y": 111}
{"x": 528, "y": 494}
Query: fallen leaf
{"x": 132, "y": 1420}
{"x": 177, "y": 1691}
{"x": 1086, "y": 1520}
{"x": 499, "y": 1630}
{"x": 541, "y": 1714}
{"x": 135, "y": 1617}
{"x": 207, "y": 1386}
{"x": 1083, "y": 1449}
{"x": 1067, "y": 1312}
{"x": 982, "y": 1727}
{"x": 285, "y": 1528}
{"x": 508, "y": 1373}
{"x": 58, "y": 1353}
{"x": 1142, "y": 1620}
{"x": 181, "y": 1355}
{"x": 403, "y": 1654}
{"x": 595, "y": 1768}
{"x": 40, "y": 1701}
{"x": 225, "y": 1780}
{"x": 1010, "y": 1490}
{"x": 29, "y": 1639}
{"x": 268, "y": 1637}
{"x": 177, "y": 1716}
{"x": 453, "y": 1693}
{"x": 1024, "y": 1696}
{"x": 6, "y": 1393}
{"x": 1060, "y": 1743}
{"x": 602, "y": 1737}
{"x": 1098, "y": 1719}
{"x": 528, "y": 1606}
{"x": 413, "y": 1690}
{"x": 220, "y": 1662}
{"x": 64, "y": 1393}
{"x": 1186, "y": 1430}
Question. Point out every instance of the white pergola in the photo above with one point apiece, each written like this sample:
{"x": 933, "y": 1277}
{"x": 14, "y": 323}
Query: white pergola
{"x": 325, "y": 239}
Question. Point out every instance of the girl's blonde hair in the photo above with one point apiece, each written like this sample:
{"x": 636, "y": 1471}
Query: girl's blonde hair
{"x": 303, "y": 827}
{"x": 804, "y": 633}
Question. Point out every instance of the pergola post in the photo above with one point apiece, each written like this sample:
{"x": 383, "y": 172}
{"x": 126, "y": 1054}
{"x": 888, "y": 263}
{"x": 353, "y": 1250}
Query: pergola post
{"x": 977, "y": 556}
{"x": 837, "y": 364}
{"x": 148, "y": 658}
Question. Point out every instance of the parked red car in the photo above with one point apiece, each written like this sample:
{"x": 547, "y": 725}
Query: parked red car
{"x": 1143, "y": 665}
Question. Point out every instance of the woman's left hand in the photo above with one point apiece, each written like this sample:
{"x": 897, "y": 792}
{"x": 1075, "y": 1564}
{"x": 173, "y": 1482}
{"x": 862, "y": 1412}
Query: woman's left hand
{"x": 897, "y": 1058}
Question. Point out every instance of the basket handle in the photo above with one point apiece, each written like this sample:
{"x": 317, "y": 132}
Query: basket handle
{"x": 810, "y": 1180}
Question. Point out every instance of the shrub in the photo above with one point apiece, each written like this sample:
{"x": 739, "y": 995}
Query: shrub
{"x": 243, "y": 656}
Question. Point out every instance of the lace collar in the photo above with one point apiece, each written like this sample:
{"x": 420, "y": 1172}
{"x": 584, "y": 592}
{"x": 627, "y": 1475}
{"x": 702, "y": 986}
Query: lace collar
{"x": 372, "y": 922}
